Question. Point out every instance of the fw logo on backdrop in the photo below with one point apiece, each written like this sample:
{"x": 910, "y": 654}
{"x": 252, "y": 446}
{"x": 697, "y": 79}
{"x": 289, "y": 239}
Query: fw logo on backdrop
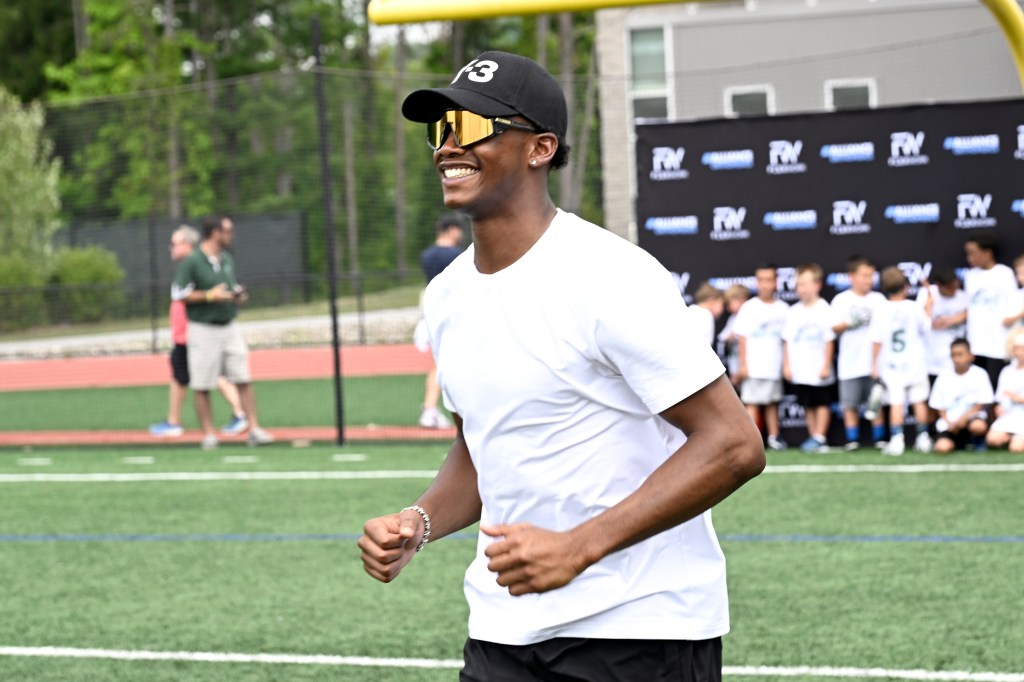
{"x": 972, "y": 211}
{"x": 848, "y": 217}
{"x": 905, "y": 149}
{"x": 784, "y": 157}
{"x": 728, "y": 224}
{"x": 667, "y": 164}
{"x": 1019, "y": 154}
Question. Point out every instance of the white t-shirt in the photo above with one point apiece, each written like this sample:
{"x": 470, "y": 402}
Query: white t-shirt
{"x": 808, "y": 330}
{"x": 957, "y": 393}
{"x": 760, "y": 323}
{"x": 729, "y": 348}
{"x": 900, "y": 327}
{"x": 987, "y": 293}
{"x": 938, "y": 341}
{"x": 1012, "y": 419}
{"x": 559, "y": 365}
{"x": 703, "y": 323}
{"x": 854, "y": 343}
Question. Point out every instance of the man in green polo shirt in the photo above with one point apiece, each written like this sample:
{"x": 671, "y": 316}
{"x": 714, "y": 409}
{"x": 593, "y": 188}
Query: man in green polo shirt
{"x": 206, "y": 282}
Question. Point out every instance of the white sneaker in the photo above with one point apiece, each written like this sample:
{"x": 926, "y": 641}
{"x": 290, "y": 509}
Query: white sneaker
{"x": 923, "y": 443}
{"x": 431, "y": 418}
{"x": 258, "y": 437}
{"x": 895, "y": 447}
{"x": 210, "y": 442}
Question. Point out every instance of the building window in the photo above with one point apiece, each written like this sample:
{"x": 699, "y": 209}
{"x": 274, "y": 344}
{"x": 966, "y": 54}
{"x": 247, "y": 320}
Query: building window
{"x": 749, "y": 100}
{"x": 649, "y": 84}
{"x": 844, "y": 94}
{"x": 647, "y": 48}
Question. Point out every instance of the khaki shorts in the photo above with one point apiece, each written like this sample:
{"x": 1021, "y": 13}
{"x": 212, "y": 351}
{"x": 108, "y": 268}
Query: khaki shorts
{"x": 216, "y": 351}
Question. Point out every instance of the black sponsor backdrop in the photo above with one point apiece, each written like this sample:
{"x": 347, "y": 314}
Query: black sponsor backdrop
{"x": 876, "y": 182}
{"x": 916, "y": 248}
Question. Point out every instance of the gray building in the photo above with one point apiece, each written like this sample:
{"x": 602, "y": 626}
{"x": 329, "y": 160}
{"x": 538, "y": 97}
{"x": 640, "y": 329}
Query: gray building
{"x": 691, "y": 61}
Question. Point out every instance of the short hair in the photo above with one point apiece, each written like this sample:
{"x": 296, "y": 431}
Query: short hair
{"x": 960, "y": 341}
{"x": 984, "y": 240}
{"x": 766, "y": 266}
{"x": 211, "y": 223}
{"x": 893, "y": 280}
{"x": 944, "y": 275}
{"x": 812, "y": 268}
{"x": 856, "y": 261}
{"x": 188, "y": 234}
{"x": 737, "y": 292}
{"x": 706, "y": 292}
{"x": 561, "y": 155}
{"x": 447, "y": 220}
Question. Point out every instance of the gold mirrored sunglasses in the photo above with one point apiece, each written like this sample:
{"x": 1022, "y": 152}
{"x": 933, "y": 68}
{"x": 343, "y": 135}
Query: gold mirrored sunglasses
{"x": 469, "y": 128}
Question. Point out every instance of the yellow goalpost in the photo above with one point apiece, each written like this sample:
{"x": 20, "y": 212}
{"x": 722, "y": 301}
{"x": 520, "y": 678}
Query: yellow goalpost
{"x": 1007, "y": 12}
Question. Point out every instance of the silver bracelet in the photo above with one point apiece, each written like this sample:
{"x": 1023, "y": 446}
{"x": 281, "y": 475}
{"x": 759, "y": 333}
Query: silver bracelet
{"x": 426, "y": 524}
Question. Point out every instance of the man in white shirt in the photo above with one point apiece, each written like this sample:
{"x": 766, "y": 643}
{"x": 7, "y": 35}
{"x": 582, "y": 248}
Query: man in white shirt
{"x": 594, "y": 428}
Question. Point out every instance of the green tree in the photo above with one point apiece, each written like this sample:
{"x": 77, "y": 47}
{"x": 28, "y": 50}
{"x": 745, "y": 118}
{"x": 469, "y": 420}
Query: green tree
{"x": 33, "y": 33}
{"x": 29, "y": 202}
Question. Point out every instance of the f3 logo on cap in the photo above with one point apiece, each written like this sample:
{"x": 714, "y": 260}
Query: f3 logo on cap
{"x": 477, "y": 71}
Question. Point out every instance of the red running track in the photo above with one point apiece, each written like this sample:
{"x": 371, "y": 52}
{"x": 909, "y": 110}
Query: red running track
{"x": 154, "y": 370}
{"x": 267, "y": 365}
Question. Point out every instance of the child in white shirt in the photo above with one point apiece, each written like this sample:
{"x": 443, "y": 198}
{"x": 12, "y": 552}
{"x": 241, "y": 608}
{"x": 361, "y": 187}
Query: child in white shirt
{"x": 852, "y": 311}
{"x": 709, "y": 304}
{"x": 961, "y": 395}
{"x": 809, "y": 344}
{"x": 1008, "y": 428}
{"x": 759, "y": 330}
{"x": 898, "y": 359}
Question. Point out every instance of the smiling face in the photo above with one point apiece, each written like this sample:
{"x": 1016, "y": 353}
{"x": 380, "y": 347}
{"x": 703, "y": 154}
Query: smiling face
{"x": 485, "y": 178}
{"x": 767, "y": 282}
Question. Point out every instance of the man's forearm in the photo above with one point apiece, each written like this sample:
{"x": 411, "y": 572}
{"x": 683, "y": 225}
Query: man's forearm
{"x": 723, "y": 451}
{"x": 452, "y": 500}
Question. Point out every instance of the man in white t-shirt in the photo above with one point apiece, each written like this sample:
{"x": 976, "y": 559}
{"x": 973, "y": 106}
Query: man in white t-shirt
{"x": 851, "y": 316}
{"x": 961, "y": 395}
{"x": 989, "y": 286}
{"x": 758, "y": 327}
{"x": 594, "y": 428}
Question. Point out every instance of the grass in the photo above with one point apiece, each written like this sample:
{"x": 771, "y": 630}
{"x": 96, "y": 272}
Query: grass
{"x": 390, "y": 400}
{"x": 851, "y": 601}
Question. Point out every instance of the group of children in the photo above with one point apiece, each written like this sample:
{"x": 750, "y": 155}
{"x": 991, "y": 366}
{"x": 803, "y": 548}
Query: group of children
{"x": 941, "y": 354}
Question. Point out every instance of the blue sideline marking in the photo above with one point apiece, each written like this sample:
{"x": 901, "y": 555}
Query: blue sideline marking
{"x": 345, "y": 537}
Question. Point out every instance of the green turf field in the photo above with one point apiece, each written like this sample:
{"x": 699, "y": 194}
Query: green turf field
{"x": 390, "y": 400}
{"x": 905, "y": 571}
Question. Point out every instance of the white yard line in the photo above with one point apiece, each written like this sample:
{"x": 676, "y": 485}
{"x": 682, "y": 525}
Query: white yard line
{"x": 355, "y": 457}
{"x": 892, "y": 468}
{"x": 34, "y": 461}
{"x": 240, "y": 459}
{"x": 138, "y": 460}
{"x": 367, "y": 661}
{"x": 188, "y": 476}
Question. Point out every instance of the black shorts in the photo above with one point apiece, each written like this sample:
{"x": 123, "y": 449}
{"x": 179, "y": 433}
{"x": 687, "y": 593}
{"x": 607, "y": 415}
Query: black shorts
{"x": 991, "y": 365}
{"x": 595, "y": 660}
{"x": 814, "y": 396}
{"x": 179, "y": 364}
{"x": 960, "y": 439}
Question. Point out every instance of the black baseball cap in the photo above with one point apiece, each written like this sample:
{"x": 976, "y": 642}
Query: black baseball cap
{"x": 496, "y": 84}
